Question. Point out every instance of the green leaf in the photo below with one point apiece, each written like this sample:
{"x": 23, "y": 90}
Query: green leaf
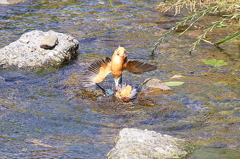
{"x": 228, "y": 38}
{"x": 221, "y": 25}
{"x": 207, "y": 41}
{"x": 173, "y": 83}
{"x": 214, "y": 62}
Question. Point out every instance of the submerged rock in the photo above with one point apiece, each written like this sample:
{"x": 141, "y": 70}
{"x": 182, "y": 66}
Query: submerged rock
{"x": 38, "y": 49}
{"x": 144, "y": 144}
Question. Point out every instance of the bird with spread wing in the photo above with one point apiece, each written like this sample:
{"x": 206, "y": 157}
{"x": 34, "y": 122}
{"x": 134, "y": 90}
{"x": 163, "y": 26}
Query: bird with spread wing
{"x": 99, "y": 69}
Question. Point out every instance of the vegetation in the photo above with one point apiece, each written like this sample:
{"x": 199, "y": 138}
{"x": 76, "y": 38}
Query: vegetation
{"x": 214, "y": 62}
{"x": 228, "y": 10}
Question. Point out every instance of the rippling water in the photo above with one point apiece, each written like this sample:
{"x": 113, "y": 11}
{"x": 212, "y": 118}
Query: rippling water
{"x": 47, "y": 114}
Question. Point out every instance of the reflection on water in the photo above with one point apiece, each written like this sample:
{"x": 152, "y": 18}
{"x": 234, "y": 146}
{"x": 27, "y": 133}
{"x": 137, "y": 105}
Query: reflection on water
{"x": 48, "y": 114}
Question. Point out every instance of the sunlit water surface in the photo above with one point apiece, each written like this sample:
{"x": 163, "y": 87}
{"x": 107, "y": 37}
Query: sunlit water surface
{"x": 47, "y": 114}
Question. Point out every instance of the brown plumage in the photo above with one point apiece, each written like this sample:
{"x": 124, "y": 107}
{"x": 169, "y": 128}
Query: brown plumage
{"x": 99, "y": 69}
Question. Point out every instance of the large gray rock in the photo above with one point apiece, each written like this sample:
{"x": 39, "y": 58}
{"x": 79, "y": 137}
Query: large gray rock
{"x": 9, "y": 2}
{"x": 144, "y": 144}
{"x": 38, "y": 49}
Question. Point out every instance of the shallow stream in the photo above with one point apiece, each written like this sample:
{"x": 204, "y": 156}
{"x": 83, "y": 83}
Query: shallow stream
{"x": 47, "y": 114}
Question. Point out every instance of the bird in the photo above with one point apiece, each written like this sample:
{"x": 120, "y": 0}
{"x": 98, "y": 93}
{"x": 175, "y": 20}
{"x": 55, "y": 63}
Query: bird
{"x": 98, "y": 70}
{"x": 125, "y": 92}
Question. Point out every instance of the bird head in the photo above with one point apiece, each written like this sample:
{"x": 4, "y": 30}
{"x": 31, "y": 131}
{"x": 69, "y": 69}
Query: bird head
{"x": 119, "y": 55}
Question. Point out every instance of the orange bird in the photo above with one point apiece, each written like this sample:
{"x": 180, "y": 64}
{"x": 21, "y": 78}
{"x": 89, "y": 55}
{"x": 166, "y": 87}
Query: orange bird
{"x": 99, "y": 69}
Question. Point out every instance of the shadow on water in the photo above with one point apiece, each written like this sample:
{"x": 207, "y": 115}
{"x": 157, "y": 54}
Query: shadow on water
{"x": 47, "y": 114}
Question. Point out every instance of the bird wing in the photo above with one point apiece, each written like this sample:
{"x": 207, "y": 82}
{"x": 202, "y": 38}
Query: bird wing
{"x": 135, "y": 66}
{"x": 97, "y": 72}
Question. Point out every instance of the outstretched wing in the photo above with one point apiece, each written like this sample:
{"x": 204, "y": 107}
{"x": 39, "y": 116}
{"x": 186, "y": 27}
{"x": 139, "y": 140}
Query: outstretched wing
{"x": 138, "y": 66}
{"x": 96, "y": 73}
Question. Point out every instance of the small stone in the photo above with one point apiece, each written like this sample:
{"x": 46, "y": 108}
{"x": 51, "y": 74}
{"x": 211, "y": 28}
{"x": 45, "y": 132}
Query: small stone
{"x": 176, "y": 76}
{"x": 101, "y": 2}
{"x": 49, "y": 42}
{"x": 155, "y": 83}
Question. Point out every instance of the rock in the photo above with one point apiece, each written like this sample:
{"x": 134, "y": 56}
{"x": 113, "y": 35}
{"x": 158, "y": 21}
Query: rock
{"x": 155, "y": 83}
{"x": 27, "y": 53}
{"x": 176, "y": 77}
{"x": 9, "y": 2}
{"x": 49, "y": 42}
{"x": 144, "y": 144}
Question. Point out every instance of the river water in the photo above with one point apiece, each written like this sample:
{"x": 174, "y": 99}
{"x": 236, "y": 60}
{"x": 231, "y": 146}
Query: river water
{"x": 47, "y": 114}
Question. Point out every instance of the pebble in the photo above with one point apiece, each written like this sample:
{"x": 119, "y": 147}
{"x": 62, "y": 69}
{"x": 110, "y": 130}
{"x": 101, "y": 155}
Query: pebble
{"x": 49, "y": 42}
{"x": 155, "y": 83}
